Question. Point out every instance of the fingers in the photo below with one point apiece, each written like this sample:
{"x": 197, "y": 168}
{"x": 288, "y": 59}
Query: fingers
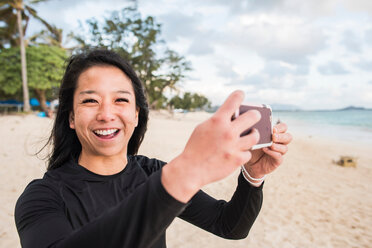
{"x": 280, "y": 128}
{"x": 282, "y": 149}
{"x": 247, "y": 141}
{"x": 246, "y": 120}
{"x": 280, "y": 135}
{"x": 277, "y": 156}
{"x": 231, "y": 104}
{"x": 282, "y": 138}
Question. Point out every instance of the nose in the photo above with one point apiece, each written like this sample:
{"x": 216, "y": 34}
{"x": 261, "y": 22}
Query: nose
{"x": 105, "y": 113}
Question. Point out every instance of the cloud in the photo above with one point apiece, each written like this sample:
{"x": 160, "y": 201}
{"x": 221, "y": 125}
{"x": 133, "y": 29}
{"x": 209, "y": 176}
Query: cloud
{"x": 225, "y": 69}
{"x": 276, "y": 69}
{"x": 257, "y": 80}
{"x": 177, "y": 24}
{"x": 368, "y": 36}
{"x": 276, "y": 37}
{"x": 200, "y": 47}
{"x": 314, "y": 8}
{"x": 332, "y": 68}
{"x": 280, "y": 69}
{"x": 261, "y": 81}
{"x": 65, "y": 14}
{"x": 358, "y": 5}
{"x": 351, "y": 42}
{"x": 239, "y": 6}
{"x": 365, "y": 65}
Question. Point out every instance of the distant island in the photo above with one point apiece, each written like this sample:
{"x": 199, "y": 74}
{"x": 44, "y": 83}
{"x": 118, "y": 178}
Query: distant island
{"x": 284, "y": 107}
{"x": 293, "y": 108}
{"x": 352, "y": 108}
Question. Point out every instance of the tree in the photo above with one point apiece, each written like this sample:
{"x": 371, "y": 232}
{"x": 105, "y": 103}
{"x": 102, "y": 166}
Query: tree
{"x": 52, "y": 36}
{"x": 44, "y": 68}
{"x": 7, "y": 8}
{"x": 190, "y": 102}
{"x": 138, "y": 40}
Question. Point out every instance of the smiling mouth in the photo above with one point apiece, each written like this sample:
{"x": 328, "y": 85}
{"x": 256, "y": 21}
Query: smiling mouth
{"x": 107, "y": 133}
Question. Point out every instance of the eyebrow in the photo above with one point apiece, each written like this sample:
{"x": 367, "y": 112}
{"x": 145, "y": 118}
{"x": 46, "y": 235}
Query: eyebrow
{"x": 95, "y": 92}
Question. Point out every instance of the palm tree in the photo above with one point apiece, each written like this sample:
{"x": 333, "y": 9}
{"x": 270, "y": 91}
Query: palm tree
{"x": 23, "y": 11}
{"x": 52, "y": 36}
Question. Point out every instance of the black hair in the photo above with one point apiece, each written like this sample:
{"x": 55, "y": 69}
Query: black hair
{"x": 65, "y": 143}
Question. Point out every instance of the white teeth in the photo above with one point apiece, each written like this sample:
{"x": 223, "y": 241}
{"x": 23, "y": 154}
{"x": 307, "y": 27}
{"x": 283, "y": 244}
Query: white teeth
{"x": 105, "y": 132}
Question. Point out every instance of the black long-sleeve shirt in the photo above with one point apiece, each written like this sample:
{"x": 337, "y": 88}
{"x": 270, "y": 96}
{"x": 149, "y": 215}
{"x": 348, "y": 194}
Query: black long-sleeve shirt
{"x": 73, "y": 207}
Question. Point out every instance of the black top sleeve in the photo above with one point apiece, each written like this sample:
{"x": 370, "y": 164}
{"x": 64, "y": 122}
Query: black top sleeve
{"x": 230, "y": 220}
{"x": 137, "y": 221}
{"x": 131, "y": 217}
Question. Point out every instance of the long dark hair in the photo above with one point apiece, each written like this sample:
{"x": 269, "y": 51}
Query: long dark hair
{"x": 63, "y": 139}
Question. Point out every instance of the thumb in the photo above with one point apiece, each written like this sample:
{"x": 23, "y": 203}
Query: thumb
{"x": 231, "y": 104}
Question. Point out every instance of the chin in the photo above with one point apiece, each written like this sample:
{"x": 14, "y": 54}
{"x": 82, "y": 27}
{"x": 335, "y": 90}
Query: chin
{"x": 110, "y": 153}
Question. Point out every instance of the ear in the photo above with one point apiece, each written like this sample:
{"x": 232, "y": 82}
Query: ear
{"x": 137, "y": 113}
{"x": 71, "y": 120}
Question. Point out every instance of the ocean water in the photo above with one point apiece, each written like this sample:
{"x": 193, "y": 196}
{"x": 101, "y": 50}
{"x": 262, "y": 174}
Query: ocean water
{"x": 349, "y": 125}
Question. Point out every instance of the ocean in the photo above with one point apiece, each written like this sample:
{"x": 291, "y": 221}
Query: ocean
{"x": 348, "y": 125}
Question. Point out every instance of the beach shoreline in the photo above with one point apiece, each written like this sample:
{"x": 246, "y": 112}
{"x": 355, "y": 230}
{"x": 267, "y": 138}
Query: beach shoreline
{"x": 308, "y": 202}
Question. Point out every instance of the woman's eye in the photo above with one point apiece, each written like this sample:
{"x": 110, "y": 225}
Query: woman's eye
{"x": 89, "y": 101}
{"x": 122, "y": 100}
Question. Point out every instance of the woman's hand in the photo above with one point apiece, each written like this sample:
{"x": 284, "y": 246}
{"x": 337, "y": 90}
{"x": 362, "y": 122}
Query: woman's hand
{"x": 213, "y": 151}
{"x": 267, "y": 159}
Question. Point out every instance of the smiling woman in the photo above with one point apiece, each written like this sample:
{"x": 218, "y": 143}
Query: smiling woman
{"x": 104, "y": 117}
{"x": 98, "y": 192}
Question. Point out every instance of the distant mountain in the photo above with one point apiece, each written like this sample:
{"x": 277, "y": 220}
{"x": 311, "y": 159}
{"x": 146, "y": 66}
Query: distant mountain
{"x": 289, "y": 107}
{"x": 284, "y": 107}
{"x": 274, "y": 107}
{"x": 352, "y": 108}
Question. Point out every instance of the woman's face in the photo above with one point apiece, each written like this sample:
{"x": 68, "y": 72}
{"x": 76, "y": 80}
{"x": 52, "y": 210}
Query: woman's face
{"x": 104, "y": 111}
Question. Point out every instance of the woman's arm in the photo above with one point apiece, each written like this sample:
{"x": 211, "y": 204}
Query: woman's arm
{"x": 230, "y": 220}
{"x": 138, "y": 221}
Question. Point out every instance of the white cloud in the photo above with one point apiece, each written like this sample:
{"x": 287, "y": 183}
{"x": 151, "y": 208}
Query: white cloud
{"x": 332, "y": 68}
{"x": 225, "y": 69}
{"x": 277, "y": 37}
{"x": 365, "y": 65}
{"x": 177, "y": 24}
{"x": 358, "y": 5}
{"x": 368, "y": 36}
{"x": 352, "y": 42}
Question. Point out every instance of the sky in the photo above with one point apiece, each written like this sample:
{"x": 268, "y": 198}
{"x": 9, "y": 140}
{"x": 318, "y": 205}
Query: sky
{"x": 312, "y": 54}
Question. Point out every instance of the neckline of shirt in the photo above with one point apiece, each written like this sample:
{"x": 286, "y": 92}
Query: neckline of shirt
{"x": 81, "y": 168}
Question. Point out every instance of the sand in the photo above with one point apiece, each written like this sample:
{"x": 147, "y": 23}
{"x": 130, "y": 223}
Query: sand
{"x": 308, "y": 201}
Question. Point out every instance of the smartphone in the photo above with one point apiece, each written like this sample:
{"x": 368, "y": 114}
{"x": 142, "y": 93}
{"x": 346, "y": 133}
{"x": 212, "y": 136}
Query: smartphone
{"x": 264, "y": 125}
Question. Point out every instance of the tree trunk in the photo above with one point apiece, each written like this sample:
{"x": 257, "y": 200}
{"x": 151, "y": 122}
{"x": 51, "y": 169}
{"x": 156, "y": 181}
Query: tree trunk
{"x": 26, "y": 98}
{"x": 40, "y": 95}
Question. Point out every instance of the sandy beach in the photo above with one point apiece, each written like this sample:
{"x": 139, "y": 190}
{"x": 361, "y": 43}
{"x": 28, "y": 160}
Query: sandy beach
{"x": 308, "y": 202}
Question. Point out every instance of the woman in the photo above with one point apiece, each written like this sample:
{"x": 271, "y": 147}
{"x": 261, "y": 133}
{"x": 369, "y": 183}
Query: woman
{"x": 98, "y": 193}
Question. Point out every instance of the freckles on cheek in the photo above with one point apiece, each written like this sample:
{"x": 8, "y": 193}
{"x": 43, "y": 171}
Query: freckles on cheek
{"x": 80, "y": 117}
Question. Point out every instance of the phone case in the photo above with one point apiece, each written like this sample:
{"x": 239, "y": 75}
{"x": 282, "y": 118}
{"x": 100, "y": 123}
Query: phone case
{"x": 264, "y": 125}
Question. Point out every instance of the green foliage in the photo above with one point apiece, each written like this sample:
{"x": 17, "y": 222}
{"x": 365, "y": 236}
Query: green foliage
{"x": 9, "y": 33}
{"x": 137, "y": 40}
{"x": 10, "y": 71}
{"x": 190, "y": 102}
{"x": 44, "y": 68}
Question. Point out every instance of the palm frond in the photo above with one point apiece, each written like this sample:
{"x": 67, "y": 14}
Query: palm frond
{"x": 37, "y": 1}
{"x": 33, "y": 12}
